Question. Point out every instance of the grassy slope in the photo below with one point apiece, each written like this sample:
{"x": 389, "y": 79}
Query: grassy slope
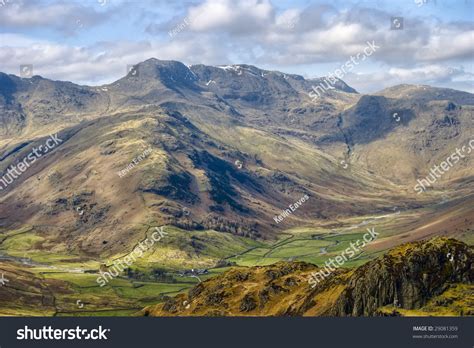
{"x": 282, "y": 288}
{"x": 174, "y": 252}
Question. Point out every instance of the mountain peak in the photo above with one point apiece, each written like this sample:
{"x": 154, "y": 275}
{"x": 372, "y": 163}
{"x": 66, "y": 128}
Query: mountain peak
{"x": 155, "y": 68}
{"x": 427, "y": 93}
{"x": 159, "y": 62}
{"x": 169, "y": 72}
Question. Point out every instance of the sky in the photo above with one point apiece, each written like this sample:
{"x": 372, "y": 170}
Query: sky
{"x": 93, "y": 41}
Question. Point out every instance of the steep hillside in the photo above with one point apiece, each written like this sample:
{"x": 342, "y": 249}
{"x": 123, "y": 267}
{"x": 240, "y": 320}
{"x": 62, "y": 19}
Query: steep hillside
{"x": 77, "y": 185}
{"x": 227, "y": 149}
{"x": 206, "y": 156}
{"x": 402, "y": 135}
{"x": 405, "y": 279}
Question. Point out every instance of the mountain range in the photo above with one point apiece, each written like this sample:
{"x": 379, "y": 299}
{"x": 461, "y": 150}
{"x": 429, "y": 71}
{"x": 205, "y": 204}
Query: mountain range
{"x": 229, "y": 149}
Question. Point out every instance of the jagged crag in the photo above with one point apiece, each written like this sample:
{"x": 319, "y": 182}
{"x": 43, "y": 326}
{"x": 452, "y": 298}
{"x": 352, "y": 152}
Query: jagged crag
{"x": 433, "y": 277}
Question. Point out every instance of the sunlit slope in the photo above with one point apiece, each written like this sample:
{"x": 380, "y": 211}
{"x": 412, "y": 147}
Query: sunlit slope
{"x": 404, "y": 280}
{"x": 234, "y": 181}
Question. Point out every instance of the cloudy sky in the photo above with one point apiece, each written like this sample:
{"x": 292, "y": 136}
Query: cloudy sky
{"x": 92, "y": 41}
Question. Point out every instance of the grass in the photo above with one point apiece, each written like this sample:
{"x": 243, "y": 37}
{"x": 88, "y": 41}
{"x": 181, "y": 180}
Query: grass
{"x": 148, "y": 290}
{"x": 79, "y": 280}
{"x": 104, "y": 313}
{"x": 191, "y": 249}
{"x": 21, "y": 241}
{"x": 458, "y": 300}
{"x": 121, "y": 296}
{"x": 302, "y": 247}
{"x": 299, "y": 247}
{"x": 178, "y": 250}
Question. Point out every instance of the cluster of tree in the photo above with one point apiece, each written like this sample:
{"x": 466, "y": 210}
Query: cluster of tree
{"x": 155, "y": 274}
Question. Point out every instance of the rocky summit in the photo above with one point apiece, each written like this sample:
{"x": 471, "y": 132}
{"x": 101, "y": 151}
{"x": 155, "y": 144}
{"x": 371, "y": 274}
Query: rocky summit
{"x": 411, "y": 279}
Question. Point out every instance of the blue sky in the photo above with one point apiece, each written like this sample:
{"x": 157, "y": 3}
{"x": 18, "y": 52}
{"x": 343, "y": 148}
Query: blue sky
{"x": 92, "y": 41}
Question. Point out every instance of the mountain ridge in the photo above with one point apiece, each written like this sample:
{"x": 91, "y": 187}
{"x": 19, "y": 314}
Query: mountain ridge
{"x": 234, "y": 153}
{"x": 221, "y": 157}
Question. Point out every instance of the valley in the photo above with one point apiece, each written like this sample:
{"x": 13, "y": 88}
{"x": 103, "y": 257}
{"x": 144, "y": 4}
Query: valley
{"x": 210, "y": 250}
{"x": 222, "y": 160}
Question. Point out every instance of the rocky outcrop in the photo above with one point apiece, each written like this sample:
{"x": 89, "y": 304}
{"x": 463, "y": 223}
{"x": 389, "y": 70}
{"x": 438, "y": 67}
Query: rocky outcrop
{"x": 407, "y": 277}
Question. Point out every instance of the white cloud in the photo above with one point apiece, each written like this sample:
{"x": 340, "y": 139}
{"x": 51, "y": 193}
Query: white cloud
{"x": 246, "y": 31}
{"x": 231, "y": 16}
{"x": 66, "y": 17}
{"x": 288, "y": 19}
{"x": 446, "y": 44}
{"x": 97, "y": 64}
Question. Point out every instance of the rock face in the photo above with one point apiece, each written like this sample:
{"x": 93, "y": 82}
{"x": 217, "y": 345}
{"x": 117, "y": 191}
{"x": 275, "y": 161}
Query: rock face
{"x": 407, "y": 278}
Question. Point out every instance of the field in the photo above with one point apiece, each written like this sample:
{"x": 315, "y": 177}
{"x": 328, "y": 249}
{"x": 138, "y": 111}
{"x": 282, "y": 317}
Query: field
{"x": 71, "y": 279}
